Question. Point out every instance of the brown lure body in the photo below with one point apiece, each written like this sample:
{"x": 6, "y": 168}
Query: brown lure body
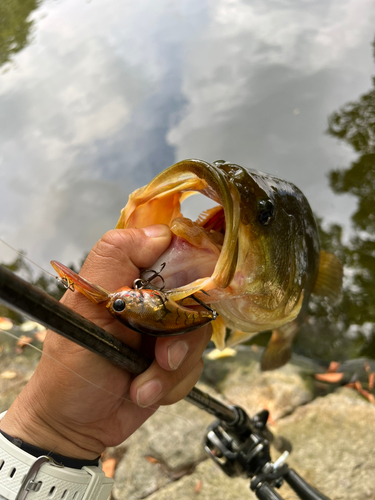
{"x": 145, "y": 310}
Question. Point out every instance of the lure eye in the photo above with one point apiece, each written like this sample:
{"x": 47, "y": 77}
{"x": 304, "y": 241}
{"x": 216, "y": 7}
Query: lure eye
{"x": 265, "y": 212}
{"x": 118, "y": 305}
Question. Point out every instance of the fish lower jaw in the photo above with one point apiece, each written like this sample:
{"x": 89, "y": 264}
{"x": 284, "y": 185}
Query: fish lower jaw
{"x": 254, "y": 321}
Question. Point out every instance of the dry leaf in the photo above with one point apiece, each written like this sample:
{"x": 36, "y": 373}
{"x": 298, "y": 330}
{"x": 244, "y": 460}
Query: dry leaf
{"x": 371, "y": 380}
{"x": 41, "y": 335}
{"x": 23, "y": 340}
{"x": 109, "y": 467}
{"x": 270, "y": 420}
{"x": 331, "y": 378}
{"x": 152, "y": 460}
{"x": 6, "y": 323}
{"x": 8, "y": 375}
{"x": 198, "y": 486}
{"x": 366, "y": 394}
{"x": 28, "y": 326}
{"x": 333, "y": 367}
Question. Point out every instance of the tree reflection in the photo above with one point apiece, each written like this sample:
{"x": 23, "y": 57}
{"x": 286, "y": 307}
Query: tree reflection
{"x": 15, "y": 26}
{"x": 354, "y": 123}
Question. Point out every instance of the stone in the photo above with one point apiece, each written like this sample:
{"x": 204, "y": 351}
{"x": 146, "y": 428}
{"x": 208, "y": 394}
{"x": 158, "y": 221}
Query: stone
{"x": 168, "y": 446}
{"x": 207, "y": 483}
{"x": 241, "y": 382}
{"x": 333, "y": 445}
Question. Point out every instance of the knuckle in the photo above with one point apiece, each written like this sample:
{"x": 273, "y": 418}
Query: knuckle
{"x": 118, "y": 242}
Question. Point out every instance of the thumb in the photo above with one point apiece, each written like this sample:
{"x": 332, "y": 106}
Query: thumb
{"x": 117, "y": 257}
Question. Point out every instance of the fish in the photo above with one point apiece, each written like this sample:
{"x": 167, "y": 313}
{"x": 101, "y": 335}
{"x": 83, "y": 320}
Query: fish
{"x": 255, "y": 256}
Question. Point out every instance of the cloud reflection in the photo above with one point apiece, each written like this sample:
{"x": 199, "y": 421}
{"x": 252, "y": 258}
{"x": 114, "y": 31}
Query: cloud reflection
{"x": 108, "y": 94}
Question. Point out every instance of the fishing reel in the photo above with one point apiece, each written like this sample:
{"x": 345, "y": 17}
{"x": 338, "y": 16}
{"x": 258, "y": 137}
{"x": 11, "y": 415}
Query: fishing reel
{"x": 243, "y": 449}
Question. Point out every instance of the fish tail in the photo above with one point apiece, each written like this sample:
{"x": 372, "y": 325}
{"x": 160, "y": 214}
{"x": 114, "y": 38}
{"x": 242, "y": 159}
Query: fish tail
{"x": 279, "y": 349}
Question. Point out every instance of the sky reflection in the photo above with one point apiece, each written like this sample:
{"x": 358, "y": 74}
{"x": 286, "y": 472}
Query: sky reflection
{"x": 108, "y": 94}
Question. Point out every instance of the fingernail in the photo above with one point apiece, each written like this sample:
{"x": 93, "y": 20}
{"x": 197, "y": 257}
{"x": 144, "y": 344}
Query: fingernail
{"x": 176, "y": 354}
{"x": 156, "y": 231}
{"x": 148, "y": 393}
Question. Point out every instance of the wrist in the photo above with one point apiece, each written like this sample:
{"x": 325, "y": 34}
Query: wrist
{"x": 22, "y": 475}
{"x": 30, "y": 421}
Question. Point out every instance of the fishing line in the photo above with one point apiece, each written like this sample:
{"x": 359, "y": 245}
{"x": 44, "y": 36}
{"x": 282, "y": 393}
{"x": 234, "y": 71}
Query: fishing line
{"x": 89, "y": 381}
{"x": 32, "y": 262}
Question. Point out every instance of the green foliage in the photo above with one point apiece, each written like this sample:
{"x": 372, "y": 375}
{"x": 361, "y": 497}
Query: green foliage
{"x": 14, "y": 26}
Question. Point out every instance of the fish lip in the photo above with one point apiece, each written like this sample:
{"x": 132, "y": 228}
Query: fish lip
{"x": 159, "y": 203}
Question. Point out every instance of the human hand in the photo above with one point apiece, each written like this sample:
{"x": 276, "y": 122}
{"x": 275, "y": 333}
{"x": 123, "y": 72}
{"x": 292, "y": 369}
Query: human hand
{"x": 82, "y": 404}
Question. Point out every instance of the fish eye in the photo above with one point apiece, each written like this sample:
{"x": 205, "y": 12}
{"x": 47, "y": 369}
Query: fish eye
{"x": 265, "y": 211}
{"x": 118, "y": 305}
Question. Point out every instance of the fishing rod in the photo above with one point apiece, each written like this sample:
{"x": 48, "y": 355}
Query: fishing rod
{"x": 240, "y": 445}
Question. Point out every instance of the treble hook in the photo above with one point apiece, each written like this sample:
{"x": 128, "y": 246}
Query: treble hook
{"x": 140, "y": 283}
{"x": 203, "y": 304}
{"x": 66, "y": 283}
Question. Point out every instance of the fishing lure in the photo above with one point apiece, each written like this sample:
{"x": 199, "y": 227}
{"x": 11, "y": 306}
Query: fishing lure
{"x": 146, "y": 308}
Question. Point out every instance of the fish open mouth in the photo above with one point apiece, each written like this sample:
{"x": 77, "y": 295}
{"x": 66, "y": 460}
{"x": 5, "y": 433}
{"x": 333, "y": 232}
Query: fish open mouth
{"x": 203, "y": 254}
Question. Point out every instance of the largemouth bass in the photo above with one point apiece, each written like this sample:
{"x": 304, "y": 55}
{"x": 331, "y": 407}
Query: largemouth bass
{"x": 256, "y": 255}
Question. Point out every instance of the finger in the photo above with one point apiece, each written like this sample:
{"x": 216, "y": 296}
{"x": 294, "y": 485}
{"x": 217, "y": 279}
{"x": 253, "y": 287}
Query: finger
{"x": 170, "y": 352}
{"x": 184, "y": 387}
{"x": 116, "y": 258}
{"x": 155, "y": 383}
{"x": 114, "y": 262}
{"x": 165, "y": 388}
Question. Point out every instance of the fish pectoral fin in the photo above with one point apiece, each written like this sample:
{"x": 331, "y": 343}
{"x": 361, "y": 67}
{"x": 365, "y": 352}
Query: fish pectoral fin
{"x": 218, "y": 333}
{"x": 215, "y": 354}
{"x": 329, "y": 280}
{"x": 279, "y": 349}
{"x": 199, "y": 285}
{"x": 238, "y": 336}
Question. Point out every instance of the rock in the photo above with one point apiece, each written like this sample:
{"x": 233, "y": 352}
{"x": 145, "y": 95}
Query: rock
{"x": 208, "y": 482}
{"x": 242, "y": 383}
{"x": 170, "y": 450}
{"x": 332, "y": 437}
{"x": 333, "y": 445}
{"x": 168, "y": 446}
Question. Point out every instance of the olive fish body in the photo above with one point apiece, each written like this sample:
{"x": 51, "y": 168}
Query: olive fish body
{"x": 256, "y": 254}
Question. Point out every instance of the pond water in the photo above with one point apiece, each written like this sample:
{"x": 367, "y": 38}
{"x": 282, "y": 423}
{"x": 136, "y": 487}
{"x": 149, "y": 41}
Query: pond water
{"x": 98, "y": 97}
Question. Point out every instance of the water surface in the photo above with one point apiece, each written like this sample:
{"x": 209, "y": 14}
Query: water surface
{"x": 98, "y": 97}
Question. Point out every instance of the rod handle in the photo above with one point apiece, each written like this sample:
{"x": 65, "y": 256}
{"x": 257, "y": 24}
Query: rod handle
{"x": 303, "y": 489}
{"x": 266, "y": 492}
